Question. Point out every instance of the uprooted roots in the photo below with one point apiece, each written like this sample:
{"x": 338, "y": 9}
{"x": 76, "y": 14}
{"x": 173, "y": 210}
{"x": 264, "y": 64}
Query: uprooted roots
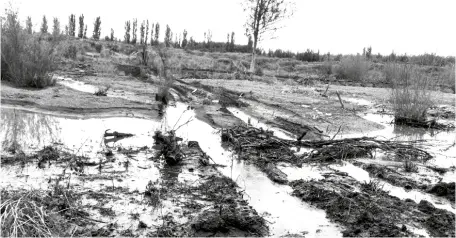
{"x": 169, "y": 147}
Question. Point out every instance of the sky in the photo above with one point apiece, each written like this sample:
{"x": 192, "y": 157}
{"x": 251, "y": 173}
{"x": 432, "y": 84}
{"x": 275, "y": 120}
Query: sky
{"x": 335, "y": 26}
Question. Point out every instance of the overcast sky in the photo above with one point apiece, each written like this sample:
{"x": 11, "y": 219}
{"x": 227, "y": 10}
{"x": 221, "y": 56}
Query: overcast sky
{"x": 337, "y": 26}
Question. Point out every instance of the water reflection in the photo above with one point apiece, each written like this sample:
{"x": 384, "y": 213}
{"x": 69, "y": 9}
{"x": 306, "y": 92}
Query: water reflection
{"x": 27, "y": 130}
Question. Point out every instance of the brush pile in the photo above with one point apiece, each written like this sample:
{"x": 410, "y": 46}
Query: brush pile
{"x": 330, "y": 150}
{"x": 262, "y": 147}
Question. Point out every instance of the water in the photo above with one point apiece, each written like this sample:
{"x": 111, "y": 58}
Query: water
{"x": 258, "y": 124}
{"x": 32, "y": 131}
{"x": 440, "y": 145}
{"x": 286, "y": 213}
{"x": 77, "y": 85}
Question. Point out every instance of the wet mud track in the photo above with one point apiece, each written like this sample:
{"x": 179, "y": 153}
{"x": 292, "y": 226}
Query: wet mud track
{"x": 130, "y": 192}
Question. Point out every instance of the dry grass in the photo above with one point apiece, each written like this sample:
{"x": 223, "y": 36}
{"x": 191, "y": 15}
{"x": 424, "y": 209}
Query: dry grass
{"x": 410, "y": 94}
{"x": 32, "y": 213}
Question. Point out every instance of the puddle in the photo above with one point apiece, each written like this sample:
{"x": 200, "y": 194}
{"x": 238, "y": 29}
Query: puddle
{"x": 306, "y": 172}
{"x": 441, "y": 144}
{"x": 77, "y": 85}
{"x": 284, "y": 211}
{"x": 359, "y": 101}
{"x": 256, "y": 123}
{"x": 362, "y": 176}
{"x": 32, "y": 131}
{"x": 444, "y": 157}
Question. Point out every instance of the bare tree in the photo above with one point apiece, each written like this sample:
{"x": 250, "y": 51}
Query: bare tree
{"x": 264, "y": 17}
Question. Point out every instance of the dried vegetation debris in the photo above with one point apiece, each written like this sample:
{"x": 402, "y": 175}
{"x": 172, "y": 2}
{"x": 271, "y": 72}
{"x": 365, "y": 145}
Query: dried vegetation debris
{"x": 42, "y": 213}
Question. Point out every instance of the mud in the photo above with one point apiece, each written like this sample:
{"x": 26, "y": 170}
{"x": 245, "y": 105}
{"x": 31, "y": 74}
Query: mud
{"x": 126, "y": 187}
{"x": 444, "y": 190}
{"x": 366, "y": 210}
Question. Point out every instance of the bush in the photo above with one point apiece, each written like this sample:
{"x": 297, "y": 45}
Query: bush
{"x": 410, "y": 94}
{"x": 326, "y": 68}
{"x": 353, "y": 67}
{"x": 70, "y": 52}
{"x": 26, "y": 61}
{"x": 258, "y": 71}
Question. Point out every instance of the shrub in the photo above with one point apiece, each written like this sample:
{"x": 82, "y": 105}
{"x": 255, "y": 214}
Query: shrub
{"x": 410, "y": 167}
{"x": 326, "y": 68}
{"x": 410, "y": 94}
{"x": 259, "y": 71}
{"x": 26, "y": 61}
{"x": 70, "y": 52}
{"x": 98, "y": 47}
{"x": 353, "y": 68}
{"x": 448, "y": 76}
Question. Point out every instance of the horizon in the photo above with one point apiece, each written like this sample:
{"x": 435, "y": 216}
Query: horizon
{"x": 409, "y": 27}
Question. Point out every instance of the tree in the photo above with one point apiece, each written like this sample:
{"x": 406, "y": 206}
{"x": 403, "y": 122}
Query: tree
{"x": 127, "y": 32}
{"x": 72, "y": 25}
{"x": 141, "y": 33}
{"x": 97, "y": 29}
{"x": 85, "y": 32}
{"x": 44, "y": 25}
{"x": 232, "y": 42}
{"x": 168, "y": 36}
{"x": 184, "y": 39}
{"x": 56, "y": 27}
{"x": 112, "y": 35}
{"x": 263, "y": 17}
{"x": 157, "y": 32}
{"x": 152, "y": 34}
{"x": 29, "y": 25}
{"x": 369, "y": 52}
{"x": 209, "y": 38}
{"x": 146, "y": 32}
{"x": 134, "y": 30}
{"x": 81, "y": 26}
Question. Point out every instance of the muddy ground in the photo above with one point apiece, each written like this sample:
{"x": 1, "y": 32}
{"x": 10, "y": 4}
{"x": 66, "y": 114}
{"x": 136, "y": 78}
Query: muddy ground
{"x": 197, "y": 197}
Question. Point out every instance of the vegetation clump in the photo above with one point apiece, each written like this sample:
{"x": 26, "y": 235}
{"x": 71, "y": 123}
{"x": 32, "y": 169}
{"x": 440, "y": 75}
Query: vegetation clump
{"x": 27, "y": 59}
{"x": 410, "y": 95}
